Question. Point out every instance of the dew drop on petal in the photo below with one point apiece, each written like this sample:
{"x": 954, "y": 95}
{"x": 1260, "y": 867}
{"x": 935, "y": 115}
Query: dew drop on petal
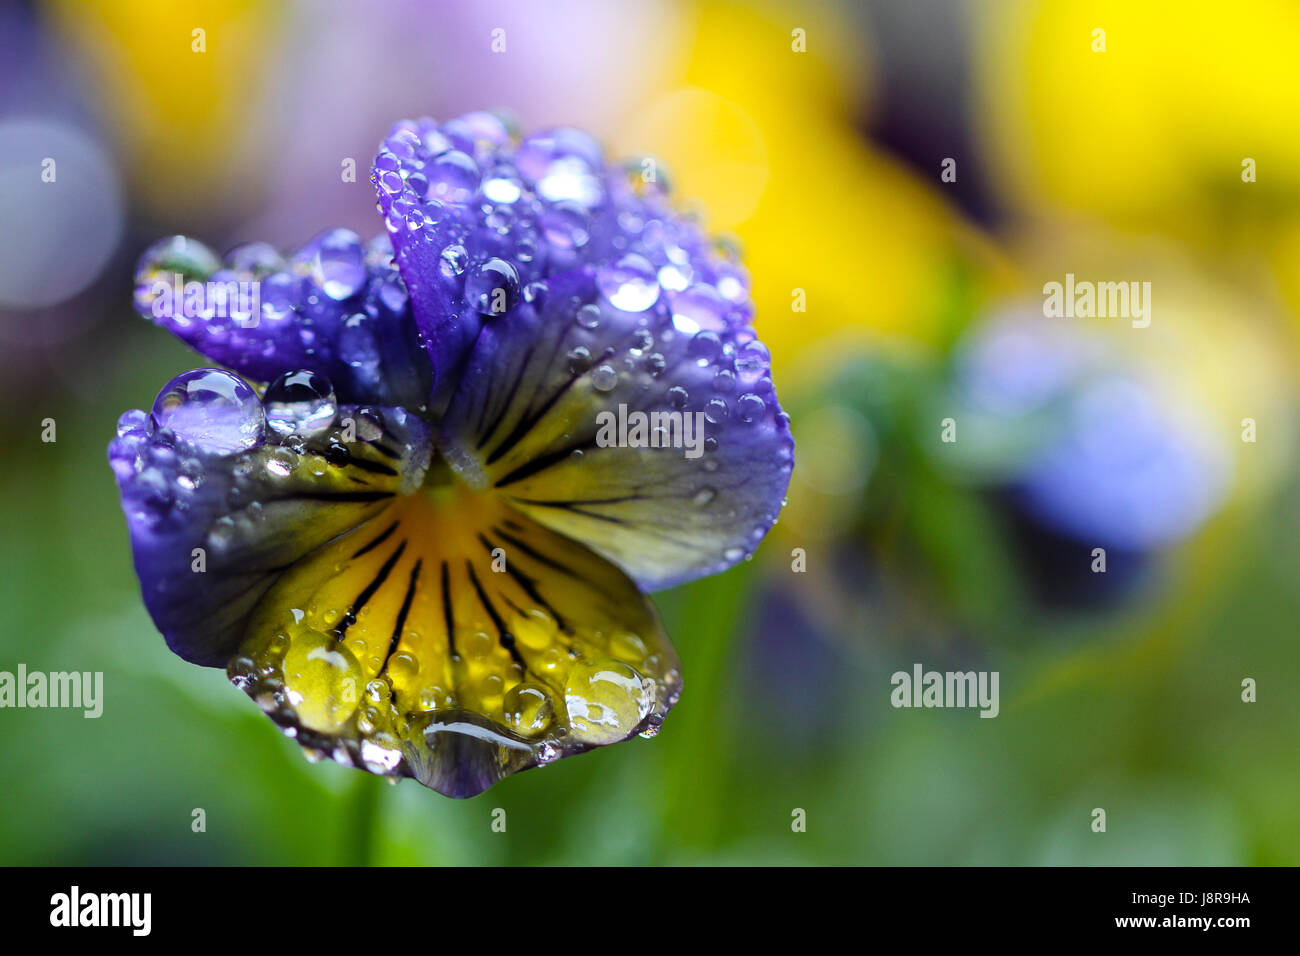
{"x": 493, "y": 288}
{"x": 750, "y": 407}
{"x": 630, "y": 284}
{"x": 300, "y": 402}
{"x": 566, "y": 226}
{"x": 337, "y": 263}
{"x": 528, "y": 709}
{"x": 704, "y": 495}
{"x": 606, "y": 700}
{"x": 453, "y": 177}
{"x": 322, "y": 681}
{"x": 212, "y": 410}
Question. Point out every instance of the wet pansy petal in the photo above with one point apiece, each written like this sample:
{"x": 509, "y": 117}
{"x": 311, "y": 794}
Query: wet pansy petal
{"x": 664, "y": 450}
{"x": 420, "y": 536}
{"x": 336, "y": 306}
{"x": 218, "y": 505}
{"x": 452, "y": 639}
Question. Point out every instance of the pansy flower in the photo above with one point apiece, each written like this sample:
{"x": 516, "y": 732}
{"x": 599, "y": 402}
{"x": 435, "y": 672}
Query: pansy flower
{"x": 417, "y": 513}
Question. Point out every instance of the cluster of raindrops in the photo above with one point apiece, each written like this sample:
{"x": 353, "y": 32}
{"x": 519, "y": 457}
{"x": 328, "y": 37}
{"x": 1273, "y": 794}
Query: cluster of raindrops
{"x": 660, "y": 313}
{"x": 211, "y": 441}
{"x": 337, "y": 306}
{"x": 505, "y": 213}
{"x": 336, "y": 697}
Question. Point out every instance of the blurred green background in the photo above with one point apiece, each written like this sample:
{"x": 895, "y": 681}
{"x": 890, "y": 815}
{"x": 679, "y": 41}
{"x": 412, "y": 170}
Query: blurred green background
{"x": 923, "y": 302}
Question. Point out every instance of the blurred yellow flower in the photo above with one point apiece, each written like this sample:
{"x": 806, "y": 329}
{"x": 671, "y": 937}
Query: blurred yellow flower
{"x": 845, "y": 245}
{"x": 176, "y": 84}
{"x": 1151, "y": 117}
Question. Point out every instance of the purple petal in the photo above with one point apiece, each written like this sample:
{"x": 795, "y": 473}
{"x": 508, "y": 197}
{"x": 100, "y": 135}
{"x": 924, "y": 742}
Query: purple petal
{"x": 334, "y": 306}
{"x": 551, "y": 384}
{"x": 217, "y": 506}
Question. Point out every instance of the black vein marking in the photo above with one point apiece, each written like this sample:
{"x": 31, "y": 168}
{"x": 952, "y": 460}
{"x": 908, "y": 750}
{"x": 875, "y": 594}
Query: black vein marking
{"x": 570, "y": 507}
{"x": 542, "y": 462}
{"x": 369, "y": 591}
{"x": 544, "y": 679}
{"x": 537, "y": 555}
{"x": 365, "y": 464}
{"x": 383, "y": 536}
{"x": 505, "y": 637}
{"x": 383, "y": 449}
{"x": 448, "y": 619}
{"x": 401, "y": 615}
{"x": 559, "y": 503}
{"x": 641, "y": 527}
{"x": 344, "y": 495}
{"x": 527, "y": 422}
{"x": 484, "y": 435}
{"x": 529, "y": 587}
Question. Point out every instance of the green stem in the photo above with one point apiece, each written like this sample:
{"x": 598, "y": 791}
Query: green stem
{"x": 362, "y": 807}
{"x": 694, "y": 811}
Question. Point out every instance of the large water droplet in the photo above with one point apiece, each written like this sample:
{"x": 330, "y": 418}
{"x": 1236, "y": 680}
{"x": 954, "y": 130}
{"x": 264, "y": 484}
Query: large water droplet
{"x": 606, "y": 699}
{"x": 698, "y": 308}
{"x": 501, "y": 185}
{"x": 256, "y": 259}
{"x": 566, "y": 225}
{"x": 565, "y": 164}
{"x": 322, "y": 681}
{"x": 300, "y": 402}
{"x": 213, "y": 410}
{"x": 454, "y": 259}
{"x": 750, "y": 407}
{"x": 493, "y": 288}
{"x": 630, "y": 284}
{"x": 336, "y": 263}
{"x": 753, "y": 360}
{"x": 453, "y": 177}
{"x": 528, "y": 709}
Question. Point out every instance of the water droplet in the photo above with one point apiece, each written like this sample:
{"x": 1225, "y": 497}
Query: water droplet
{"x": 579, "y": 359}
{"x": 604, "y": 378}
{"x": 322, "y": 680}
{"x": 630, "y": 285}
{"x": 606, "y": 699}
{"x": 300, "y": 402}
{"x": 130, "y": 421}
{"x": 753, "y": 360}
{"x": 588, "y": 317}
{"x": 696, "y": 308}
{"x": 453, "y": 177}
{"x": 528, "y": 709}
{"x": 706, "y": 347}
{"x": 494, "y": 288}
{"x": 704, "y": 495}
{"x": 750, "y": 407}
{"x": 255, "y": 259}
{"x": 336, "y": 263}
{"x": 454, "y": 260}
{"x": 566, "y": 226}
{"x": 213, "y": 410}
{"x": 502, "y": 186}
